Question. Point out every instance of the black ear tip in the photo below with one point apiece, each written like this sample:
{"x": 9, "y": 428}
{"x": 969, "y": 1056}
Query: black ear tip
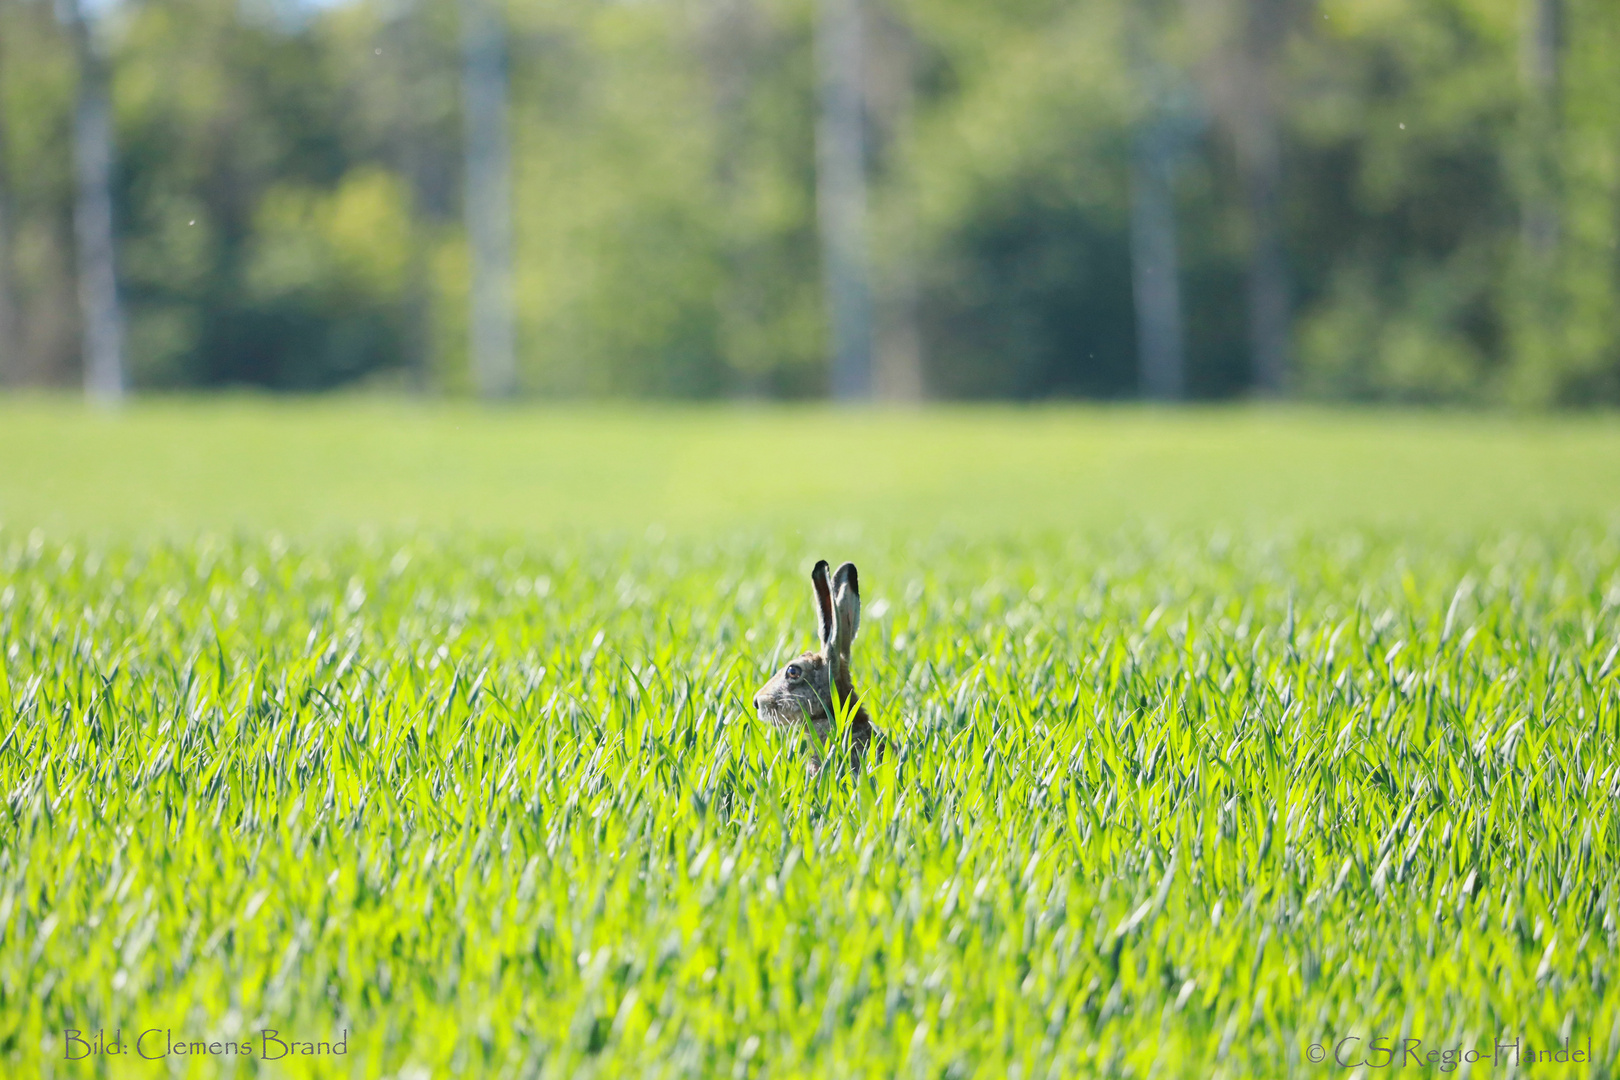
{"x": 847, "y": 575}
{"x": 820, "y": 570}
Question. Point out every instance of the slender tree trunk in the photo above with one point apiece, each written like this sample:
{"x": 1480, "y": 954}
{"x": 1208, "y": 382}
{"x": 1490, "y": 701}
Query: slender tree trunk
{"x": 10, "y": 331}
{"x": 1156, "y": 267}
{"x": 103, "y": 324}
{"x": 898, "y": 359}
{"x": 1542, "y": 52}
{"x": 1155, "y": 261}
{"x": 1260, "y": 159}
{"x": 488, "y": 197}
{"x": 1542, "y": 347}
{"x": 841, "y": 198}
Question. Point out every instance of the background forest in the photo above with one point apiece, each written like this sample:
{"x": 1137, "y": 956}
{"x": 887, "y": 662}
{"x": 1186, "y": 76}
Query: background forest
{"x": 1344, "y": 199}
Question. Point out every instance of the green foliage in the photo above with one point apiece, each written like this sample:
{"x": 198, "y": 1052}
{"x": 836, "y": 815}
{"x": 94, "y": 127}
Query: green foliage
{"x": 1565, "y": 319}
{"x": 340, "y": 263}
{"x": 1022, "y": 204}
{"x": 1451, "y": 216}
{"x": 1409, "y": 126}
{"x": 621, "y": 255}
{"x": 1161, "y": 800}
{"x": 1426, "y": 150}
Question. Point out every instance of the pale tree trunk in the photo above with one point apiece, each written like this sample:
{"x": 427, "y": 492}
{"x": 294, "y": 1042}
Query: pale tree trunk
{"x": 1156, "y": 267}
{"x": 841, "y": 197}
{"x": 1263, "y": 28}
{"x": 103, "y": 323}
{"x": 10, "y": 332}
{"x": 1158, "y": 142}
{"x": 11, "y": 362}
{"x": 1541, "y": 341}
{"x": 898, "y": 360}
{"x": 488, "y": 197}
{"x": 1542, "y": 48}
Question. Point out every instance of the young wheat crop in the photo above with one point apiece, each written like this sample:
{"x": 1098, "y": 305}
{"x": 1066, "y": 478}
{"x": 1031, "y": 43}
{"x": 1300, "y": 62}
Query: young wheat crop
{"x": 1157, "y": 803}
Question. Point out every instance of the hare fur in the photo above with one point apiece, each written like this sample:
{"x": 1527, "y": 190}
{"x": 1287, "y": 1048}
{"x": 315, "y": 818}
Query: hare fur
{"x": 814, "y": 689}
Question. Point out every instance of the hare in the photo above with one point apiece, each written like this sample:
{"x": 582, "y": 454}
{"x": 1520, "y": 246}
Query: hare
{"x": 815, "y": 689}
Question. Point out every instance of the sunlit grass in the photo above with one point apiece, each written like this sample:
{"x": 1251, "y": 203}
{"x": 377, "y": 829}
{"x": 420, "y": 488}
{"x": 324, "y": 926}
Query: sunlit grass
{"x": 1166, "y": 799}
{"x": 177, "y": 467}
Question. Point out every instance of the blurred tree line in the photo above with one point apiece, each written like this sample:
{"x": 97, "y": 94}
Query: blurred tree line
{"x": 1352, "y": 199}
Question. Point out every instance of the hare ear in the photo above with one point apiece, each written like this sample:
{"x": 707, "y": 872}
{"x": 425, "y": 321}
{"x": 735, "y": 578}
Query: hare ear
{"x": 847, "y": 605}
{"x": 824, "y": 604}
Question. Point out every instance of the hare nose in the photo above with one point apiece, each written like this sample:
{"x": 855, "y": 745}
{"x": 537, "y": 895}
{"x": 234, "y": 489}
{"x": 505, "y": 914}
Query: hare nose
{"x": 756, "y": 702}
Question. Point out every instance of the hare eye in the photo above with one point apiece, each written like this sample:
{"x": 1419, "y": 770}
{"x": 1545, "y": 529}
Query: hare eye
{"x": 793, "y": 671}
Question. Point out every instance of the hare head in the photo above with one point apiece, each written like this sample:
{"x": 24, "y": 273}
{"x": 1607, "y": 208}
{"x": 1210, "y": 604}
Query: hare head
{"x": 814, "y": 689}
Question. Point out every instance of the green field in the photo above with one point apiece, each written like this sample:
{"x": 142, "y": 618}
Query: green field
{"x": 1218, "y": 737}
